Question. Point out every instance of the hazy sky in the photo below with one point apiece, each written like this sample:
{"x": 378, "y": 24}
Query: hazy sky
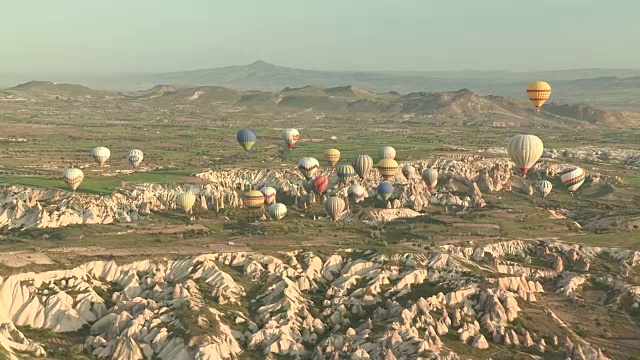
{"x": 65, "y": 36}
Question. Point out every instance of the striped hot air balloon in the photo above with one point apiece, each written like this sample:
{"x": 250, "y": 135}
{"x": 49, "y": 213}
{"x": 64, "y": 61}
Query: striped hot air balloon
{"x": 572, "y": 178}
{"x": 100, "y": 155}
{"x": 525, "y": 150}
{"x": 73, "y": 177}
{"x": 320, "y": 184}
{"x": 185, "y": 201}
{"x": 538, "y": 93}
{"x": 385, "y": 190}
{"x": 135, "y": 157}
{"x": 269, "y": 195}
{"x": 334, "y": 206}
{"x": 387, "y": 168}
{"x": 246, "y": 138}
{"x": 332, "y": 156}
{"x": 345, "y": 173}
{"x": 277, "y": 211}
{"x": 357, "y": 192}
{"x": 253, "y": 200}
{"x": 362, "y": 164}
{"x": 408, "y": 171}
{"x": 543, "y": 188}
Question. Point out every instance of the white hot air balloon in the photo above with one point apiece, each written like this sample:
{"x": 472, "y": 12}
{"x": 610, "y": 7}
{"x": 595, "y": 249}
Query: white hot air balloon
{"x": 135, "y": 157}
{"x": 100, "y": 155}
{"x": 308, "y": 166}
{"x": 185, "y": 201}
{"x": 572, "y": 178}
{"x": 525, "y": 150}
{"x": 387, "y": 152}
{"x": 73, "y": 177}
{"x": 430, "y": 177}
{"x": 290, "y": 136}
{"x": 269, "y": 195}
{"x": 543, "y": 188}
{"x": 357, "y": 192}
{"x": 277, "y": 211}
{"x": 408, "y": 171}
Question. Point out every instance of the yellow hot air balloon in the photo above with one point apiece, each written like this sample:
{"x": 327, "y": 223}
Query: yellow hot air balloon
{"x": 538, "y": 92}
{"x": 525, "y": 150}
{"x": 253, "y": 200}
{"x": 388, "y": 168}
{"x": 332, "y": 156}
{"x": 185, "y": 201}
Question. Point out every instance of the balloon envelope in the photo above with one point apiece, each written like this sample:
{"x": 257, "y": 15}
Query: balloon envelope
{"x": 332, "y": 156}
{"x": 408, "y": 171}
{"x": 186, "y": 200}
{"x": 334, "y": 206}
{"x": 320, "y": 184}
{"x": 277, "y": 211}
{"x": 246, "y": 138}
{"x": 388, "y": 168}
{"x": 73, "y": 177}
{"x": 538, "y": 93}
{"x": 430, "y": 177}
{"x": 357, "y": 192}
{"x": 572, "y": 178}
{"x": 253, "y": 200}
{"x": 290, "y": 136}
{"x": 135, "y": 157}
{"x": 269, "y": 195}
{"x": 387, "y": 152}
{"x": 385, "y": 190}
{"x": 362, "y": 164}
{"x": 525, "y": 150}
{"x": 543, "y": 188}
{"x": 308, "y": 166}
{"x": 345, "y": 172}
{"x": 100, "y": 155}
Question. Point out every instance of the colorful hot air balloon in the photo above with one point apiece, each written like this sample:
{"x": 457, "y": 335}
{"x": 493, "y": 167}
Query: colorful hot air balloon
{"x": 385, "y": 190}
{"x": 334, "y": 206}
{"x": 430, "y": 177}
{"x": 269, "y": 195}
{"x": 386, "y": 152}
{"x": 362, "y": 164}
{"x": 572, "y": 178}
{"x": 246, "y": 138}
{"x": 253, "y": 200}
{"x": 525, "y": 150}
{"x": 332, "y": 156}
{"x": 388, "y": 168}
{"x": 357, "y": 192}
{"x": 543, "y": 188}
{"x": 320, "y": 184}
{"x": 100, "y": 155}
{"x": 290, "y": 136}
{"x": 538, "y": 92}
{"x": 408, "y": 171}
{"x": 308, "y": 166}
{"x": 73, "y": 177}
{"x": 345, "y": 173}
{"x": 185, "y": 201}
{"x": 135, "y": 157}
{"x": 277, "y": 211}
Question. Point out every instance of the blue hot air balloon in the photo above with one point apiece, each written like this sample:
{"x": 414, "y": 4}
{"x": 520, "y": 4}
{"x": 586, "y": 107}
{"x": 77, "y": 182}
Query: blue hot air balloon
{"x": 246, "y": 138}
{"x": 385, "y": 190}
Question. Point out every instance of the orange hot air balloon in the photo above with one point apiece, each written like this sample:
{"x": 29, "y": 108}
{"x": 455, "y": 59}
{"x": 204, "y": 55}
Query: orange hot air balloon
{"x": 538, "y": 93}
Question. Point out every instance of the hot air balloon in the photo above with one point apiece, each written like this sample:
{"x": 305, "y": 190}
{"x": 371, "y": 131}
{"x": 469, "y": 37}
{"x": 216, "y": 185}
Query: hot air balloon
{"x": 386, "y": 152}
{"x": 430, "y": 177}
{"x": 408, "y": 171}
{"x": 100, "y": 155}
{"x": 269, "y": 195}
{"x": 572, "y": 178}
{"x": 357, "y": 192}
{"x": 332, "y": 156}
{"x": 308, "y": 166}
{"x": 345, "y": 173}
{"x": 543, "y": 188}
{"x": 277, "y": 211}
{"x": 246, "y": 138}
{"x": 73, "y": 177}
{"x": 185, "y": 201}
{"x": 362, "y": 164}
{"x": 525, "y": 150}
{"x": 538, "y": 92}
{"x": 334, "y": 206}
{"x": 290, "y": 136}
{"x": 320, "y": 184}
{"x": 135, "y": 157}
{"x": 385, "y": 190}
{"x": 387, "y": 168}
{"x": 253, "y": 200}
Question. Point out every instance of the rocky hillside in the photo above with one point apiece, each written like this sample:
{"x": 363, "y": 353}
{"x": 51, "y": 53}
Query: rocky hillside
{"x": 447, "y": 303}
